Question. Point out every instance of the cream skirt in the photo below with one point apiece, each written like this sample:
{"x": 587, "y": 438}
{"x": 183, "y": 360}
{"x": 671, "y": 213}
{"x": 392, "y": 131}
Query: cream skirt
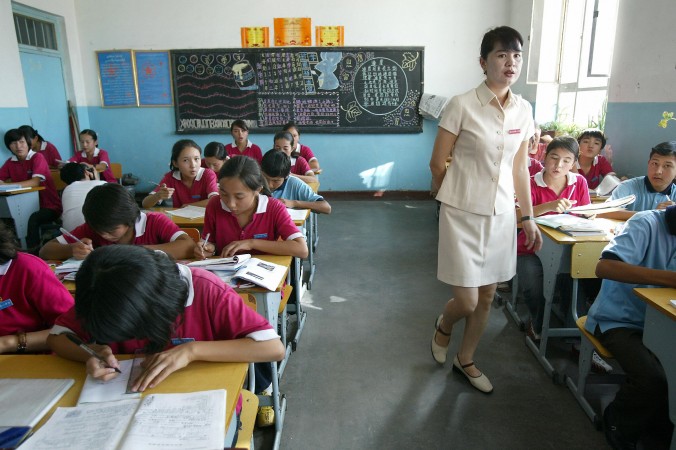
{"x": 475, "y": 250}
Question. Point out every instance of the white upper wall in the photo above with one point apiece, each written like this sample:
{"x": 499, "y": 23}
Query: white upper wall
{"x": 644, "y": 60}
{"x": 11, "y": 78}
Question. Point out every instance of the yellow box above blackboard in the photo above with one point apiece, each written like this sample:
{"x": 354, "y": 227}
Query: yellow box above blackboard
{"x": 255, "y": 37}
{"x": 293, "y": 31}
{"x": 330, "y": 36}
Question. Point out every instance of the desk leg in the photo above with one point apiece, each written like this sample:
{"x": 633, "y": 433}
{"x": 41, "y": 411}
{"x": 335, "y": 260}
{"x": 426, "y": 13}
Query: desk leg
{"x": 311, "y": 249}
{"x": 301, "y": 315}
{"x": 19, "y": 207}
{"x": 510, "y": 305}
{"x": 658, "y": 336}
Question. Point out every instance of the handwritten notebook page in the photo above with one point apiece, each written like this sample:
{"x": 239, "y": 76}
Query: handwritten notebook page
{"x": 94, "y": 391}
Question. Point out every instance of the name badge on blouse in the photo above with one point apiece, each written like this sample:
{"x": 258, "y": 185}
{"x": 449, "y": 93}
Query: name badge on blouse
{"x": 196, "y": 196}
{"x": 515, "y": 131}
{"x": 179, "y": 341}
{"x": 4, "y": 304}
{"x": 260, "y": 236}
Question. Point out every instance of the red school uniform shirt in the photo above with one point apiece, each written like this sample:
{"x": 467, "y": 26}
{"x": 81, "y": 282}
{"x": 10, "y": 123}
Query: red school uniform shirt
{"x": 270, "y": 221}
{"x": 100, "y": 156}
{"x": 33, "y": 166}
{"x": 305, "y": 152}
{"x": 251, "y": 150}
{"x": 600, "y": 168}
{"x": 540, "y": 193}
{"x": 534, "y": 166}
{"x": 31, "y": 297}
{"x": 299, "y": 166}
{"x": 150, "y": 229}
{"x": 51, "y": 154}
{"x": 204, "y": 186}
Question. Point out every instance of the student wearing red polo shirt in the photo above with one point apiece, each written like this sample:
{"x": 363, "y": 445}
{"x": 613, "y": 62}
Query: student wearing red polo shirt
{"x": 299, "y": 167}
{"x": 29, "y": 169}
{"x": 39, "y": 145}
{"x": 94, "y": 156}
{"x": 302, "y": 150}
{"x": 187, "y": 183}
{"x": 31, "y": 298}
{"x": 591, "y": 164}
{"x": 241, "y": 145}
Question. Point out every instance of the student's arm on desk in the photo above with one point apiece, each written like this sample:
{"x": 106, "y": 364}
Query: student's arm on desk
{"x": 58, "y": 251}
{"x": 180, "y": 248}
{"x": 36, "y": 341}
{"x": 612, "y": 269}
{"x": 443, "y": 148}
{"x": 32, "y": 182}
{"x": 296, "y": 247}
{"x": 152, "y": 199}
{"x": 522, "y": 190}
{"x": 320, "y": 206}
{"x": 63, "y": 347}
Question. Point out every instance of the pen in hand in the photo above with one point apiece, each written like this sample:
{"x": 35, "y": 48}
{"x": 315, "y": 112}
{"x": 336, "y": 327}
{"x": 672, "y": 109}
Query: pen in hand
{"x": 206, "y": 240}
{"x": 70, "y": 235}
{"x": 77, "y": 341}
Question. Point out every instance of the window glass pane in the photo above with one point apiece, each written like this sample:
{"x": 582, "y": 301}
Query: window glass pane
{"x": 50, "y": 36}
{"x": 548, "y": 70}
{"x": 566, "y": 107}
{"x": 603, "y": 38}
{"x": 39, "y": 35}
{"x": 23, "y": 31}
{"x": 572, "y": 41}
{"x": 546, "y": 104}
{"x": 589, "y": 107}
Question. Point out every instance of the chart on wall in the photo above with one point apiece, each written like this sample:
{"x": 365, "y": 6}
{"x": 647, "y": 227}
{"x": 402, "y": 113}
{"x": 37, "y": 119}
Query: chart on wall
{"x": 341, "y": 90}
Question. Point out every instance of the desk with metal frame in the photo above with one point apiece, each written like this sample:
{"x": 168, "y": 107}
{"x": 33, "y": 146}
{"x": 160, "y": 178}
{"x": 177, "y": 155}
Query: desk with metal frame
{"x": 18, "y": 206}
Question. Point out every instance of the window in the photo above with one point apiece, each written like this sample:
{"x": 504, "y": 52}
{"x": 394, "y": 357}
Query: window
{"x": 34, "y": 32}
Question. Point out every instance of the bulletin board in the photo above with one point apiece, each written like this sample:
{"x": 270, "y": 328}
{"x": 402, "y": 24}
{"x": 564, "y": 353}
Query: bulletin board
{"x": 153, "y": 78}
{"x": 336, "y": 90}
{"x": 116, "y": 78}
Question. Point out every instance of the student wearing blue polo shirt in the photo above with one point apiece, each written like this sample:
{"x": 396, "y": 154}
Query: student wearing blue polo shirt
{"x": 653, "y": 191}
{"x": 642, "y": 255}
{"x": 292, "y": 191}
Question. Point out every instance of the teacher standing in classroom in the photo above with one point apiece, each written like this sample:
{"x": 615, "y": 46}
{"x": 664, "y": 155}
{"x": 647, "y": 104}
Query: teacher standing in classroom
{"x": 486, "y": 131}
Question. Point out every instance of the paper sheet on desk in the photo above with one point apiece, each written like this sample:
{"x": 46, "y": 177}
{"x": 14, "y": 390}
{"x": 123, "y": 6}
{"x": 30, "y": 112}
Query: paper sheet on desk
{"x": 95, "y": 391}
{"x": 607, "y": 206}
{"x": 297, "y": 214}
{"x": 188, "y": 212}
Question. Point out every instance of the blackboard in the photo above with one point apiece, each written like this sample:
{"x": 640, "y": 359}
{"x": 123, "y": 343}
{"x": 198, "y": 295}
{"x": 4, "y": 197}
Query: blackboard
{"x": 154, "y": 79}
{"x": 327, "y": 90}
{"x": 116, "y": 78}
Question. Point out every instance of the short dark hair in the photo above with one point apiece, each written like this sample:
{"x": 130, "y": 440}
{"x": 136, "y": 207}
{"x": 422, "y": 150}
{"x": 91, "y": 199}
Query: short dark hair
{"x": 593, "y": 133}
{"x": 31, "y": 132}
{"x": 72, "y": 172}
{"x": 239, "y": 123}
{"x": 15, "y": 134}
{"x": 284, "y": 135}
{"x": 667, "y": 148}
{"x": 276, "y": 163}
{"x": 291, "y": 124}
{"x": 129, "y": 292}
{"x": 178, "y": 147}
{"x": 9, "y": 244}
{"x": 504, "y": 35}
{"x": 565, "y": 142}
{"x": 90, "y": 133}
{"x": 215, "y": 150}
{"x": 247, "y": 171}
{"x": 108, "y": 206}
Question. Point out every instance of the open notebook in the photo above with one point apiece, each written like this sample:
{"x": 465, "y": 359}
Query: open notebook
{"x": 23, "y": 402}
{"x": 194, "y": 420}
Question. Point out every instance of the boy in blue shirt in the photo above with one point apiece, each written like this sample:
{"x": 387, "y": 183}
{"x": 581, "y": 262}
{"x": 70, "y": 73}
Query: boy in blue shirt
{"x": 653, "y": 191}
{"x": 292, "y": 191}
{"x": 642, "y": 255}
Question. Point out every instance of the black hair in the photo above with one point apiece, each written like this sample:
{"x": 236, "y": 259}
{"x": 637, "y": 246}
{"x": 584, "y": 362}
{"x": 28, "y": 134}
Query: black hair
{"x": 90, "y": 133}
{"x": 239, "y": 123}
{"x": 664, "y": 149}
{"x": 178, "y": 147}
{"x": 31, "y": 132}
{"x": 15, "y": 134}
{"x": 565, "y": 142}
{"x": 291, "y": 124}
{"x": 9, "y": 244}
{"x": 276, "y": 164}
{"x": 508, "y": 37}
{"x": 108, "y": 206}
{"x": 215, "y": 150}
{"x": 72, "y": 172}
{"x": 129, "y": 292}
{"x": 593, "y": 133}
{"x": 247, "y": 171}
{"x": 284, "y": 135}
{"x": 670, "y": 217}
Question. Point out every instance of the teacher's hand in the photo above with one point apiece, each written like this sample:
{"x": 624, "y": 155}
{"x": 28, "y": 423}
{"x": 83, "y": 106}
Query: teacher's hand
{"x": 533, "y": 236}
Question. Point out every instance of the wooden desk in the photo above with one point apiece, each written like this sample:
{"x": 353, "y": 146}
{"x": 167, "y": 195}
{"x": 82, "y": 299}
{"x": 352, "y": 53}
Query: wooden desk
{"x": 19, "y": 206}
{"x": 198, "y": 376}
{"x": 182, "y": 222}
{"x": 561, "y": 253}
{"x": 659, "y": 335}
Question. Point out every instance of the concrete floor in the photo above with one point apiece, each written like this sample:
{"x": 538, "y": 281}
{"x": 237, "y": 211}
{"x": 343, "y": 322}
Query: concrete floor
{"x": 363, "y": 376}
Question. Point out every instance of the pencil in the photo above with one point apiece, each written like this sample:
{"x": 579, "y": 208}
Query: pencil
{"x": 206, "y": 239}
{"x": 571, "y": 192}
{"x": 77, "y": 341}
{"x": 70, "y": 235}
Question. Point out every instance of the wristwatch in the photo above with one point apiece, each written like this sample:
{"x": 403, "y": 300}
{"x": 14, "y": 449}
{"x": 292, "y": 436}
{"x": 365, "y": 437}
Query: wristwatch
{"x": 524, "y": 218}
{"x": 21, "y": 345}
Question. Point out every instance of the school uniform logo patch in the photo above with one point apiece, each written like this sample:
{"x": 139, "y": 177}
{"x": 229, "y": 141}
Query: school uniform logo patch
{"x": 515, "y": 131}
{"x": 4, "y": 304}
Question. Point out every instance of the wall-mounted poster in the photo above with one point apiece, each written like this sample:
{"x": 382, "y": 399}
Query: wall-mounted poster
{"x": 153, "y": 76}
{"x": 330, "y": 36}
{"x": 255, "y": 37}
{"x": 292, "y": 31}
{"x": 116, "y": 78}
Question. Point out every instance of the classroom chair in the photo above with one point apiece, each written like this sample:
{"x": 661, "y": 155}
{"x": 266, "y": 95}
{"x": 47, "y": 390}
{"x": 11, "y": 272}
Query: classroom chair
{"x": 588, "y": 344}
{"x": 248, "y": 419}
{"x": 116, "y": 168}
{"x": 194, "y": 233}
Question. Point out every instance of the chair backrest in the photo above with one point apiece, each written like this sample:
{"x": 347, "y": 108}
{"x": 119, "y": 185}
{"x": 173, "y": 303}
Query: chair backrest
{"x": 116, "y": 168}
{"x": 58, "y": 182}
{"x": 194, "y": 233}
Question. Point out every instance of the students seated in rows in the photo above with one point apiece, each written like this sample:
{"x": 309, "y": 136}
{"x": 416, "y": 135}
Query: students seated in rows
{"x": 186, "y": 183}
{"x": 534, "y": 164}
{"x": 642, "y": 255}
{"x": 80, "y": 179}
{"x": 241, "y": 145}
{"x": 293, "y": 192}
{"x": 94, "y": 156}
{"x": 591, "y": 164}
{"x": 31, "y": 298}
{"x": 302, "y": 150}
{"x": 39, "y": 145}
{"x": 654, "y": 191}
{"x": 29, "y": 169}
{"x": 299, "y": 167}
{"x": 214, "y": 156}
{"x": 553, "y": 190}
{"x": 244, "y": 219}
{"x": 113, "y": 217}
{"x": 136, "y": 299}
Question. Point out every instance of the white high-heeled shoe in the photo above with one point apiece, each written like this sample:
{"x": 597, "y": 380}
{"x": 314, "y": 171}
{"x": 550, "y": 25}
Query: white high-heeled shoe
{"x": 439, "y": 351}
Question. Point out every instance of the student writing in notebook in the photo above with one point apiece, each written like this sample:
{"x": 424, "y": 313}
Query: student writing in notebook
{"x": 302, "y": 150}
{"x": 186, "y": 183}
{"x": 31, "y": 298}
{"x": 293, "y": 192}
{"x": 113, "y": 217}
{"x": 299, "y": 166}
{"x": 553, "y": 190}
{"x": 94, "y": 156}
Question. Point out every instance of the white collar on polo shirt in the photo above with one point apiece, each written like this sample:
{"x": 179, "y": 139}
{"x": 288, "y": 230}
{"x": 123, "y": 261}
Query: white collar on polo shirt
{"x": 262, "y": 204}
{"x": 186, "y": 276}
{"x": 30, "y": 154}
{"x": 176, "y": 174}
{"x": 140, "y": 225}
{"x": 43, "y": 145}
{"x": 594, "y": 162}
{"x": 4, "y": 268}
{"x": 96, "y": 153}
{"x": 248, "y": 143}
{"x": 540, "y": 181}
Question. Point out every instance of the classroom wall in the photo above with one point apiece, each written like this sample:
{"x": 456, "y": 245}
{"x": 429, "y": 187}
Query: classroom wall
{"x": 642, "y": 84}
{"x": 141, "y": 138}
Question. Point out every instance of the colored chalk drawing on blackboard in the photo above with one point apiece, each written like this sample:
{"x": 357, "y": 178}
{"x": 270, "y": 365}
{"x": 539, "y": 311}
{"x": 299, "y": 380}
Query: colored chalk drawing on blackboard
{"x": 326, "y": 66}
{"x": 380, "y": 86}
{"x": 245, "y": 75}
